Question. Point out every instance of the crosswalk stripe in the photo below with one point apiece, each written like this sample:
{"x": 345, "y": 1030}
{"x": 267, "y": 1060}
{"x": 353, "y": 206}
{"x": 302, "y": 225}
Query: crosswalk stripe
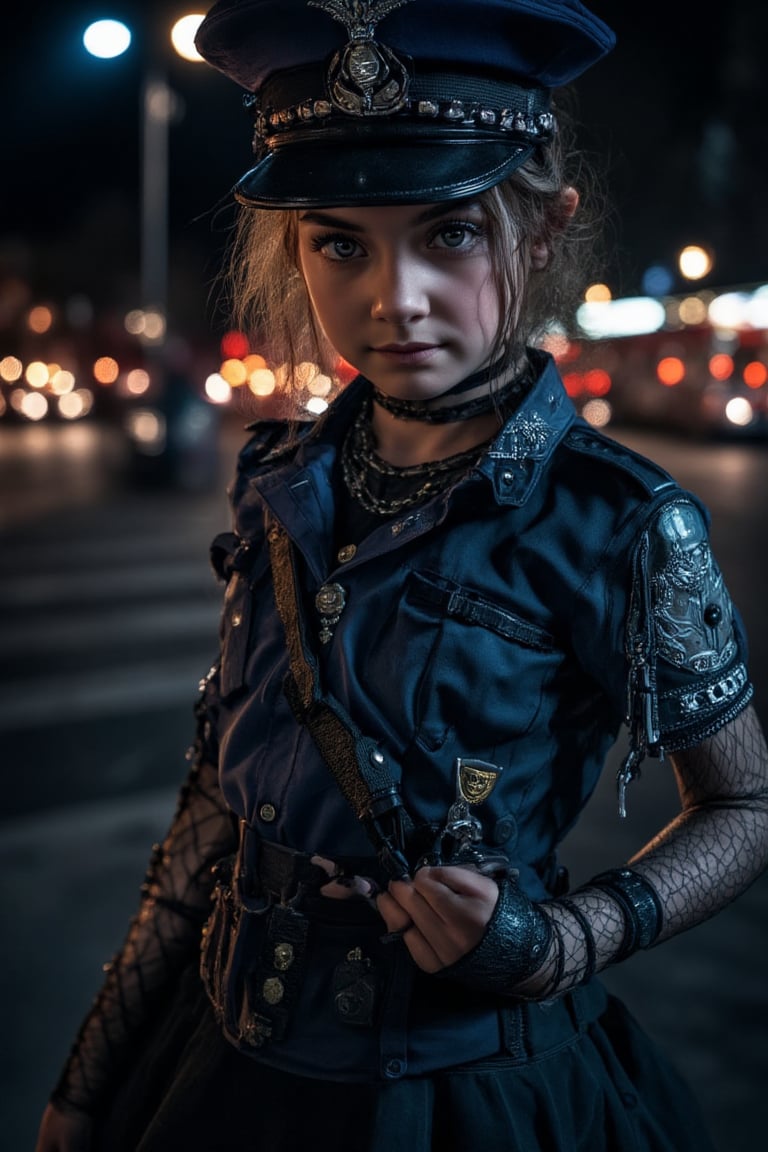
{"x": 146, "y": 687}
{"x": 104, "y": 550}
{"x": 80, "y": 632}
{"x": 50, "y": 588}
{"x": 106, "y": 616}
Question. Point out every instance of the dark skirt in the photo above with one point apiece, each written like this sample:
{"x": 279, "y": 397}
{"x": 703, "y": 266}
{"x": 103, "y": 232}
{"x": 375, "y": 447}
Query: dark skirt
{"x": 608, "y": 1089}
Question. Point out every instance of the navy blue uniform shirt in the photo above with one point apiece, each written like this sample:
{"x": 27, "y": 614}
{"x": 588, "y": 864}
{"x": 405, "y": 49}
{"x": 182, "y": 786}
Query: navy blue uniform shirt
{"x": 514, "y": 618}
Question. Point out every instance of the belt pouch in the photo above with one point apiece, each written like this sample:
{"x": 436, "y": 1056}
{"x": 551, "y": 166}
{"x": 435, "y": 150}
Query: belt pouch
{"x": 251, "y": 963}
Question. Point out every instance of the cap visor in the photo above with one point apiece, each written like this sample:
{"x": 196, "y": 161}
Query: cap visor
{"x": 326, "y": 175}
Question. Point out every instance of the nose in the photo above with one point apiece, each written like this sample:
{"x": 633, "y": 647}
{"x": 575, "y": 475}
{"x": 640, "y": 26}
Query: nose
{"x": 400, "y": 290}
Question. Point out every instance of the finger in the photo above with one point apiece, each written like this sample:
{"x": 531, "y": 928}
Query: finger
{"x": 393, "y": 914}
{"x": 345, "y": 887}
{"x": 424, "y": 955}
{"x": 460, "y": 880}
{"x": 398, "y": 921}
{"x": 327, "y": 865}
{"x": 419, "y": 902}
{"x": 437, "y": 937}
{"x": 451, "y": 922}
{"x": 450, "y": 894}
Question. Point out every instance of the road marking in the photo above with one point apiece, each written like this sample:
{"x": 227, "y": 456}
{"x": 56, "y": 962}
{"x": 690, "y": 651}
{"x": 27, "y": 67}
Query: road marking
{"x": 76, "y": 633}
{"x": 148, "y": 687}
{"x": 50, "y": 588}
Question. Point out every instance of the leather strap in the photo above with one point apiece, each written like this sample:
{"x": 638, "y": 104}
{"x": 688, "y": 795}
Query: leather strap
{"x": 356, "y": 761}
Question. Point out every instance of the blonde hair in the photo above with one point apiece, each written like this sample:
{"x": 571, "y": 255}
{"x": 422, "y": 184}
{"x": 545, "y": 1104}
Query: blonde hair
{"x": 265, "y": 295}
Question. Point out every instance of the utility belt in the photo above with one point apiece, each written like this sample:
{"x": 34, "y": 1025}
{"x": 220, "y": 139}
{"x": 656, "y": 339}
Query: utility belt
{"x": 267, "y": 869}
{"x": 267, "y": 917}
{"x": 306, "y": 982}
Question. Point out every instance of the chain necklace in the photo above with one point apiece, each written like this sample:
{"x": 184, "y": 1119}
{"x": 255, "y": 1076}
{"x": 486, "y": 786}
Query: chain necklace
{"x": 364, "y": 470}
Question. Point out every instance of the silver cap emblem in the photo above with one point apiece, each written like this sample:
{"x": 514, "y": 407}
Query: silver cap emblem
{"x": 364, "y": 78}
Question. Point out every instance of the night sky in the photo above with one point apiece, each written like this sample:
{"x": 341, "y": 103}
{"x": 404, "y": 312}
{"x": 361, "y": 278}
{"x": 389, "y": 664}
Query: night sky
{"x": 676, "y": 116}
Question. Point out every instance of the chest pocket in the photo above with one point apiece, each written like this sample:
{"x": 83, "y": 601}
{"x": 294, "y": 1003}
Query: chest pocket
{"x": 466, "y": 663}
{"x": 243, "y": 567}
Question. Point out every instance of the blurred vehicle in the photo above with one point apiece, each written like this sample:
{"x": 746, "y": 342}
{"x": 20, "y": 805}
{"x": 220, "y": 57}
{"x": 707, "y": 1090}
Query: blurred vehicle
{"x": 171, "y": 429}
{"x": 706, "y": 378}
{"x": 174, "y": 442}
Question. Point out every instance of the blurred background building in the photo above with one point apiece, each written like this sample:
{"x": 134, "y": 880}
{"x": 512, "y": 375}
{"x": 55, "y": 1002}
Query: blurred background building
{"x": 115, "y": 209}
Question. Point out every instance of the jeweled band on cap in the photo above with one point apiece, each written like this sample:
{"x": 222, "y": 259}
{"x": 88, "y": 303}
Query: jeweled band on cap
{"x": 435, "y": 100}
{"x": 366, "y": 78}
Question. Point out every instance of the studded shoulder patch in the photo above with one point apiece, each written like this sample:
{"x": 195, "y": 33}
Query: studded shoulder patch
{"x": 692, "y": 610}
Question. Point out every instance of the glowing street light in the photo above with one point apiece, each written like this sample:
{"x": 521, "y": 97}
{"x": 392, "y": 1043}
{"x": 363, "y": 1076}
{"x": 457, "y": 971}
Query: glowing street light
{"x": 107, "y": 39}
{"x": 694, "y": 262}
{"x": 183, "y": 37}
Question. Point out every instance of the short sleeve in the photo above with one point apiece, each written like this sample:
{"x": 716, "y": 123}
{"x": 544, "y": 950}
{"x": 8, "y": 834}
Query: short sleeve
{"x": 697, "y": 640}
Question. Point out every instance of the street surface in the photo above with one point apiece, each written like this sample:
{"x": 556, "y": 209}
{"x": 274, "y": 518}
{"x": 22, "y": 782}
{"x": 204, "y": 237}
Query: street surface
{"x": 108, "y": 618}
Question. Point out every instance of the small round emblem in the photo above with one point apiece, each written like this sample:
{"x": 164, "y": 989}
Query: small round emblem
{"x": 283, "y": 955}
{"x": 713, "y": 614}
{"x": 273, "y": 990}
{"x": 330, "y": 600}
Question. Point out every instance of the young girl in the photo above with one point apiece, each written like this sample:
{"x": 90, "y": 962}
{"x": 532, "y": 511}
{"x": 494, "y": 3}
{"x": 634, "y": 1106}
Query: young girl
{"x": 442, "y": 599}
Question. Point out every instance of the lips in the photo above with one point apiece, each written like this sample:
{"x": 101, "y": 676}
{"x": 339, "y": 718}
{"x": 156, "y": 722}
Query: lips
{"x": 404, "y": 349}
{"x": 414, "y": 354}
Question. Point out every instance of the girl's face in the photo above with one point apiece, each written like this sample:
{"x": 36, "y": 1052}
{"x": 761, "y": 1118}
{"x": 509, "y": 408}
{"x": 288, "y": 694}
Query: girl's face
{"x": 405, "y": 293}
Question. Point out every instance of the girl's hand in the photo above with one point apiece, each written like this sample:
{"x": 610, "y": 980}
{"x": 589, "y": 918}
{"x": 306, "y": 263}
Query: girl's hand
{"x": 441, "y": 913}
{"x": 343, "y": 887}
{"x": 64, "y": 1131}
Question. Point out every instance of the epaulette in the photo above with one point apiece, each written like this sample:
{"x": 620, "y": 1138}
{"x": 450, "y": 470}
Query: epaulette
{"x": 582, "y": 437}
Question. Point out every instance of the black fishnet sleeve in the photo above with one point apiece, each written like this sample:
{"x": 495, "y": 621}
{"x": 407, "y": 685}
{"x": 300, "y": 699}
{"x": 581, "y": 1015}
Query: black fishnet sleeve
{"x": 164, "y": 935}
{"x": 701, "y": 861}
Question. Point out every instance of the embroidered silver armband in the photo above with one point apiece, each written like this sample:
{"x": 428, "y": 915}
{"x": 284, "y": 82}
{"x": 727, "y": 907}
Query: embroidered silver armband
{"x": 680, "y": 613}
{"x": 692, "y": 611}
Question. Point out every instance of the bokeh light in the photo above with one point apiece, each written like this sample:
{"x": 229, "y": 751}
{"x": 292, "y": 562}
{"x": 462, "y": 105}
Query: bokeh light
{"x": 107, "y": 39}
{"x": 183, "y": 36}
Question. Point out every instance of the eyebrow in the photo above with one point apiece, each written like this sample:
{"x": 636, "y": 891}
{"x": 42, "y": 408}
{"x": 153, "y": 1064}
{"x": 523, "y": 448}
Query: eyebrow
{"x": 327, "y": 221}
{"x": 433, "y": 212}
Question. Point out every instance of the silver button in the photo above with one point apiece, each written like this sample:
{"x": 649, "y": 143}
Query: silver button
{"x": 330, "y": 600}
{"x": 273, "y": 990}
{"x": 267, "y": 813}
{"x": 283, "y": 955}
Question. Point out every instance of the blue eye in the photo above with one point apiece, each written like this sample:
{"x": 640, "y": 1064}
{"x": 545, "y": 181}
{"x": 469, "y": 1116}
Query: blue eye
{"x": 456, "y": 234}
{"x": 336, "y": 246}
{"x": 454, "y": 237}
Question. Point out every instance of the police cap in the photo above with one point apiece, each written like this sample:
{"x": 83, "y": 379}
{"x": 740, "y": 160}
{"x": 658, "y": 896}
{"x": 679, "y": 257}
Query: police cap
{"x": 395, "y": 101}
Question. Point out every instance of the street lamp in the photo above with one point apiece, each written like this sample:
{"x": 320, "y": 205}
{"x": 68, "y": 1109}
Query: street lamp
{"x": 107, "y": 39}
{"x": 173, "y": 440}
{"x": 695, "y": 262}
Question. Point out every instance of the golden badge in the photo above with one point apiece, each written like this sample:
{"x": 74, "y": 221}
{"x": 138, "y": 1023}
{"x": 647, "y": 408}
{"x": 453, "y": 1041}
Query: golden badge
{"x": 475, "y": 780}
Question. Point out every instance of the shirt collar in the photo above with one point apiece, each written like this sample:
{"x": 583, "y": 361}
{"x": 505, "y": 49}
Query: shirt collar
{"x": 516, "y": 458}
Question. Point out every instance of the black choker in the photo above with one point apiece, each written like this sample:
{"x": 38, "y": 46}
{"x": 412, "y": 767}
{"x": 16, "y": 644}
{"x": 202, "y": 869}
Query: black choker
{"x": 482, "y": 392}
